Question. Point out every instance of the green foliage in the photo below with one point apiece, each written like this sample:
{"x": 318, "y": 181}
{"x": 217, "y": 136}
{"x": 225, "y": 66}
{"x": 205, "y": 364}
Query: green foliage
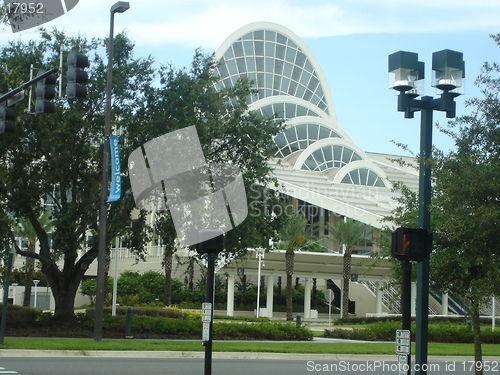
{"x": 445, "y": 330}
{"x": 57, "y": 156}
{"x": 348, "y": 232}
{"x": 19, "y": 316}
{"x": 264, "y": 331}
{"x": 174, "y": 322}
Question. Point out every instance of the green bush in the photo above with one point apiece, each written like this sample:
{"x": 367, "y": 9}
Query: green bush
{"x": 20, "y": 316}
{"x": 441, "y": 332}
{"x": 174, "y": 322}
{"x": 263, "y": 331}
{"x": 166, "y": 312}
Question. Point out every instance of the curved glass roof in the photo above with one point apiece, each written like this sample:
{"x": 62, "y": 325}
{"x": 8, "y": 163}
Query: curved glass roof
{"x": 363, "y": 176}
{"x": 301, "y": 136}
{"x": 275, "y": 64}
{"x": 290, "y": 86}
{"x": 330, "y": 156}
{"x": 286, "y": 111}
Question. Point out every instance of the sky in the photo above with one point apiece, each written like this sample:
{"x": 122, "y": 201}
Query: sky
{"x": 351, "y": 39}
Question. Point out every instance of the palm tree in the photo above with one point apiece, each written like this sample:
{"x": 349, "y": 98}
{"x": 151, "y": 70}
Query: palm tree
{"x": 26, "y": 231}
{"x": 347, "y": 232}
{"x": 294, "y": 234}
{"x": 165, "y": 228}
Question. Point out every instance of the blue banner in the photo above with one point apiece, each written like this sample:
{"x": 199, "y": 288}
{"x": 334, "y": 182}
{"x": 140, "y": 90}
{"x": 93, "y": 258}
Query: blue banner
{"x": 116, "y": 178}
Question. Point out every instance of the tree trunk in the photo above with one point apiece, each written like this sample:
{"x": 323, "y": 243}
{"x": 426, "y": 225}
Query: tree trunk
{"x": 289, "y": 259}
{"x": 243, "y": 297}
{"x": 314, "y": 297}
{"x": 167, "y": 264}
{"x": 64, "y": 295}
{"x": 278, "y": 291}
{"x": 191, "y": 274}
{"x": 476, "y": 329}
{"x": 345, "y": 283}
{"x": 289, "y": 299}
{"x": 28, "y": 278}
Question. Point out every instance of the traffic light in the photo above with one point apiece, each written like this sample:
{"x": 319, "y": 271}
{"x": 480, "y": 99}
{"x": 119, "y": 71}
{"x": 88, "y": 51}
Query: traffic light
{"x": 411, "y": 244}
{"x": 76, "y": 76}
{"x": 7, "y": 116}
{"x": 45, "y": 92}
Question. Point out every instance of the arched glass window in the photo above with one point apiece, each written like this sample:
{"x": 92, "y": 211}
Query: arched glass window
{"x": 363, "y": 176}
{"x": 330, "y": 156}
{"x": 275, "y": 64}
{"x": 286, "y": 111}
{"x": 299, "y": 137}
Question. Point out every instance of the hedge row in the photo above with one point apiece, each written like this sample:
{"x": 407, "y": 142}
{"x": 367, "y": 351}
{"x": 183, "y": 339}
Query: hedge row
{"x": 432, "y": 319}
{"x": 385, "y": 331}
{"x": 145, "y": 326}
{"x": 148, "y": 323}
{"x": 166, "y": 312}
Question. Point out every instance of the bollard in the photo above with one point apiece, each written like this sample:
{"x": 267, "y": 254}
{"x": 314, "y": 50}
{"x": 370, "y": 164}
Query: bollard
{"x": 128, "y": 324}
{"x": 299, "y": 320}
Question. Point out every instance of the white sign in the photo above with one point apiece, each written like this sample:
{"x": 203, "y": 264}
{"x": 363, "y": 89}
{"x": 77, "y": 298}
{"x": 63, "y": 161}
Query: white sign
{"x": 329, "y": 295}
{"x": 206, "y": 312}
{"x": 205, "y": 336}
{"x": 403, "y": 364}
{"x": 403, "y": 341}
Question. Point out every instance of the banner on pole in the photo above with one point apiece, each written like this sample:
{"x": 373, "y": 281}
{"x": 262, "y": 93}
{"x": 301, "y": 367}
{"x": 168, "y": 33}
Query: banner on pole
{"x": 116, "y": 179}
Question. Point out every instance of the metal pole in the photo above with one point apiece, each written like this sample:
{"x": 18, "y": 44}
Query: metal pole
{"x": 36, "y": 292}
{"x": 209, "y": 297}
{"x": 115, "y": 278}
{"x": 6, "y": 296}
{"x": 259, "y": 256}
{"x": 25, "y": 85}
{"x": 101, "y": 254}
{"x": 493, "y": 301}
{"x": 424, "y": 220}
{"x": 406, "y": 268}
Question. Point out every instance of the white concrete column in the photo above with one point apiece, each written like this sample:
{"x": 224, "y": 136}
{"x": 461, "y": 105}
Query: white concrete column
{"x": 230, "y": 295}
{"x": 413, "y": 298}
{"x": 307, "y": 298}
{"x": 444, "y": 304}
{"x": 378, "y": 298}
{"x": 270, "y": 295}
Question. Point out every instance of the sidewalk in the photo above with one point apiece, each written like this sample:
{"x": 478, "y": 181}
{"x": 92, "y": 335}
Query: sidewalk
{"x": 11, "y": 353}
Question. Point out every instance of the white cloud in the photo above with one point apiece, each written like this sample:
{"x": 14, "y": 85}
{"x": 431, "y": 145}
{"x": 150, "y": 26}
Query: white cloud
{"x": 194, "y": 23}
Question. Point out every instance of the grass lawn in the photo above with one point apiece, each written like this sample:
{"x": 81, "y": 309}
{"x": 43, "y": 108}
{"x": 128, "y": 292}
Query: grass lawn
{"x": 239, "y": 346}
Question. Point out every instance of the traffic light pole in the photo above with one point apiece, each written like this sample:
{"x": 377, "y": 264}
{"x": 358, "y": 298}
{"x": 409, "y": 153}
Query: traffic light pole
{"x": 424, "y": 222}
{"x": 209, "y": 297}
{"x": 406, "y": 268}
{"x": 24, "y": 86}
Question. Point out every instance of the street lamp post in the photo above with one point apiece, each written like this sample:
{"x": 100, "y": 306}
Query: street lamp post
{"x": 119, "y": 7}
{"x": 36, "y": 291}
{"x": 407, "y": 74}
{"x": 259, "y": 255}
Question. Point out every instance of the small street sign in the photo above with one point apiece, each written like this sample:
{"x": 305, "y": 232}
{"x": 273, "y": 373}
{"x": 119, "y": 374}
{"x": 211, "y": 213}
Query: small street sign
{"x": 329, "y": 295}
{"x": 402, "y": 364}
{"x": 205, "y": 336}
{"x": 206, "y": 312}
{"x": 403, "y": 341}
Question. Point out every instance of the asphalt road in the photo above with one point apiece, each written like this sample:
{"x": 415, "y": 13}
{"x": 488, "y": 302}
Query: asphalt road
{"x": 195, "y": 366}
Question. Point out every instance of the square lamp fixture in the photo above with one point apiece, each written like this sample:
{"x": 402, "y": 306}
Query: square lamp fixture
{"x": 406, "y": 72}
{"x": 448, "y": 69}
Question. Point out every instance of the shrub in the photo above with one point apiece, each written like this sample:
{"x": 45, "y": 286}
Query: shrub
{"x": 266, "y": 331}
{"x": 386, "y": 330}
{"x": 20, "y": 316}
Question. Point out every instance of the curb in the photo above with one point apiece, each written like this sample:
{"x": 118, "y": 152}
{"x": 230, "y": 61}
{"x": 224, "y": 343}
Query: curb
{"x": 16, "y": 353}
